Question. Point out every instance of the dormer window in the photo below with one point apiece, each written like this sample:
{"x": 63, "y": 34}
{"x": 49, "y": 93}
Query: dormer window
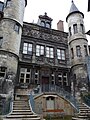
{"x": 45, "y": 21}
{"x": 43, "y": 24}
{"x": 47, "y": 25}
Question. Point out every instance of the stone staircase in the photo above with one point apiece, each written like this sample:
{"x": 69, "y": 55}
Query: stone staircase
{"x": 22, "y": 110}
{"x": 84, "y": 112}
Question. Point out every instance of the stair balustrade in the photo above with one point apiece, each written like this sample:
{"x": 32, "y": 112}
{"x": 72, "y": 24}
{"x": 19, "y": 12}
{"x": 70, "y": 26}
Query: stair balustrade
{"x": 60, "y": 91}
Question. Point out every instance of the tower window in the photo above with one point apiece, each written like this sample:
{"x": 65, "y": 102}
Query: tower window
{"x": 85, "y": 50}
{"x": 78, "y": 51}
{"x": 49, "y": 52}
{"x": 17, "y": 27}
{"x": 70, "y": 33}
{"x": 75, "y": 28}
{"x": 60, "y": 54}
{"x": 82, "y": 28}
{"x": 8, "y": 3}
{"x": 1, "y": 40}
{"x": 27, "y": 48}
{"x": 39, "y": 50}
{"x": 72, "y": 53}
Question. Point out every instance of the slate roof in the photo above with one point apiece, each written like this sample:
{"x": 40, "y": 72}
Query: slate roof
{"x": 73, "y": 9}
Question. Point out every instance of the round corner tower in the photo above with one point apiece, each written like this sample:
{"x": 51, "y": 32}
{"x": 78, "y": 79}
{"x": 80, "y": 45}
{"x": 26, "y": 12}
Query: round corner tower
{"x": 12, "y": 24}
{"x": 78, "y": 49}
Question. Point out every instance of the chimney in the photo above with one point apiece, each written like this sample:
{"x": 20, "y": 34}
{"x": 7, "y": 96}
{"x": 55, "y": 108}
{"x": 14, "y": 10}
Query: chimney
{"x": 60, "y": 25}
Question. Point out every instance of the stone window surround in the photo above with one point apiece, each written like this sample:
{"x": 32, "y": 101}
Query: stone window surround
{"x": 78, "y": 51}
{"x": 25, "y": 75}
{"x": 27, "y": 48}
{"x": 39, "y": 50}
{"x": 61, "y": 54}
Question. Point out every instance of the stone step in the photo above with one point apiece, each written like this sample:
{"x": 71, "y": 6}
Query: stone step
{"x": 74, "y": 118}
{"x": 24, "y": 105}
{"x": 22, "y": 110}
{"x": 22, "y": 116}
{"x": 22, "y": 113}
{"x": 38, "y": 118}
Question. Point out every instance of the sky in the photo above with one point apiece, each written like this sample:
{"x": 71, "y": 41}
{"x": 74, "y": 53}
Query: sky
{"x": 56, "y": 9}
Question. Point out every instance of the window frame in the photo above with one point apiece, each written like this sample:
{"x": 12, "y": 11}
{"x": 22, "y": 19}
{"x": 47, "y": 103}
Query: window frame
{"x": 60, "y": 55}
{"x": 78, "y": 51}
{"x": 25, "y": 78}
{"x": 72, "y": 53}
{"x": 17, "y": 27}
{"x": 49, "y": 52}
{"x": 85, "y": 50}
{"x": 27, "y": 48}
{"x": 40, "y": 50}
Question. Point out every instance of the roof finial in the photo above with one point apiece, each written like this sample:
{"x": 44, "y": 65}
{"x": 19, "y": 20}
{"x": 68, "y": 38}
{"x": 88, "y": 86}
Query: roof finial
{"x": 72, "y": 1}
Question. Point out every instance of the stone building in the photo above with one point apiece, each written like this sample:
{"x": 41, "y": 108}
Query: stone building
{"x": 37, "y": 58}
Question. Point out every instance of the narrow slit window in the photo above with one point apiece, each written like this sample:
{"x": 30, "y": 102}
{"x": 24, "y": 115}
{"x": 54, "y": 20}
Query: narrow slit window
{"x": 75, "y": 28}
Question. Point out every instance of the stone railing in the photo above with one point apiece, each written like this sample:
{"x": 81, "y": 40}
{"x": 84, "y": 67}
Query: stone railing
{"x": 60, "y": 91}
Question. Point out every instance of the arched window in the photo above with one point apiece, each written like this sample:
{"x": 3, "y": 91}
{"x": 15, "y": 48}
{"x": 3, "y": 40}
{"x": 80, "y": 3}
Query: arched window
{"x": 70, "y": 33}
{"x": 48, "y": 25}
{"x": 78, "y": 51}
{"x": 82, "y": 28}
{"x": 85, "y": 50}
{"x": 43, "y": 23}
{"x": 72, "y": 53}
{"x": 75, "y": 28}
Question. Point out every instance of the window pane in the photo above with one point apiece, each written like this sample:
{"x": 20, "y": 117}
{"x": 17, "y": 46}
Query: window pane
{"x": 27, "y": 48}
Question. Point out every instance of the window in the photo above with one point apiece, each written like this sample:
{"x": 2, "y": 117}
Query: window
{"x": 42, "y": 23}
{"x": 60, "y": 78}
{"x": 70, "y": 33}
{"x": 75, "y": 28}
{"x": 65, "y": 82}
{"x": 25, "y": 75}
{"x": 2, "y": 71}
{"x": 17, "y": 27}
{"x": 85, "y": 50}
{"x": 49, "y": 52}
{"x": 48, "y": 25}
{"x": 39, "y": 50}
{"x": 78, "y": 51}
{"x": 60, "y": 54}
{"x": 8, "y": 3}
{"x": 27, "y": 48}
{"x": 36, "y": 76}
{"x": 72, "y": 53}
{"x": 1, "y": 40}
{"x": 82, "y": 28}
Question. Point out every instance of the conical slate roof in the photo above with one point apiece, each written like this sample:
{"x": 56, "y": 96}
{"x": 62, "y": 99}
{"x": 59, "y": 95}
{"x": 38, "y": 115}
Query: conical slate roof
{"x": 74, "y": 9}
